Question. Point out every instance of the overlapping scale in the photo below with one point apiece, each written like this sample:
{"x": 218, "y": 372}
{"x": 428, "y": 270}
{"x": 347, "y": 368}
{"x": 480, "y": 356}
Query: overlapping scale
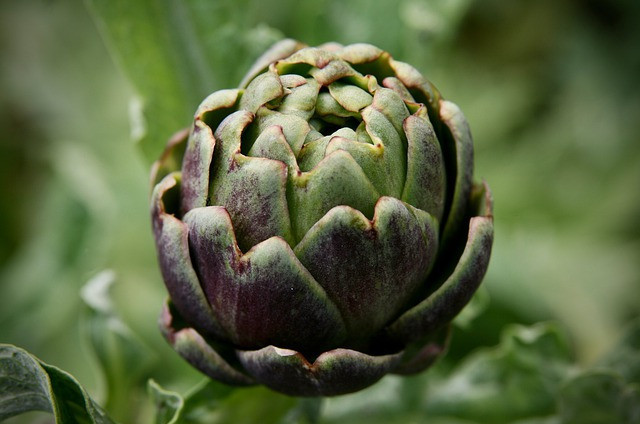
{"x": 310, "y": 210}
{"x": 264, "y": 296}
{"x": 370, "y": 268}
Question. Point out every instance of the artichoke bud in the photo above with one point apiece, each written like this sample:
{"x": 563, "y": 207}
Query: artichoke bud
{"x": 318, "y": 227}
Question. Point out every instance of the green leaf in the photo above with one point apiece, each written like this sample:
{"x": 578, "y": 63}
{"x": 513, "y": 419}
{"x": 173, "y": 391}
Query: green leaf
{"x": 196, "y": 406}
{"x": 599, "y": 397}
{"x": 624, "y": 358}
{"x": 175, "y": 53}
{"x": 609, "y": 393}
{"x": 168, "y": 405}
{"x": 28, "y": 384}
{"x": 123, "y": 357}
{"x": 519, "y": 378}
{"x": 211, "y": 402}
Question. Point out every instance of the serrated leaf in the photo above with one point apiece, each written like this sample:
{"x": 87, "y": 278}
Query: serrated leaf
{"x": 175, "y": 53}
{"x": 28, "y": 384}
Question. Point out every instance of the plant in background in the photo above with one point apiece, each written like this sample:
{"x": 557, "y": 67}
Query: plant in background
{"x": 318, "y": 227}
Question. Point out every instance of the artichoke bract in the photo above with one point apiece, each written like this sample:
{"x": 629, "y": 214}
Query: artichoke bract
{"x": 318, "y": 227}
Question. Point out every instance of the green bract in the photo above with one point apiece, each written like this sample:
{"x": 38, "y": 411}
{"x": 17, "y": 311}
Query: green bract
{"x": 318, "y": 227}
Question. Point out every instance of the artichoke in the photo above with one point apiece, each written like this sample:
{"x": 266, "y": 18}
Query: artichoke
{"x": 318, "y": 227}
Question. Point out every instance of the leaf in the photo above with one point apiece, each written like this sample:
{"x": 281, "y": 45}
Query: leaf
{"x": 211, "y": 402}
{"x": 609, "y": 393}
{"x": 599, "y": 397}
{"x": 123, "y": 357}
{"x": 28, "y": 384}
{"x": 175, "y": 53}
{"x": 202, "y": 400}
{"x": 519, "y": 378}
{"x": 624, "y": 358}
{"x": 168, "y": 405}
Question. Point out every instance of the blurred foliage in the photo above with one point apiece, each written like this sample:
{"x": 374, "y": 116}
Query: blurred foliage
{"x": 529, "y": 378}
{"x": 123, "y": 358}
{"x": 552, "y": 94}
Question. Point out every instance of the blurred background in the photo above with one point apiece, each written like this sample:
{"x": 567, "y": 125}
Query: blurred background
{"x": 551, "y": 90}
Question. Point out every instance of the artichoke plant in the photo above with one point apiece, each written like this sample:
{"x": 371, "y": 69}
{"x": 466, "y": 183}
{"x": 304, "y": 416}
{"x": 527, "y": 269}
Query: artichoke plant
{"x": 318, "y": 227}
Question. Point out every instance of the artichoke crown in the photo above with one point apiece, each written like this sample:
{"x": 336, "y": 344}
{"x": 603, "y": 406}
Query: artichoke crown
{"x": 318, "y": 227}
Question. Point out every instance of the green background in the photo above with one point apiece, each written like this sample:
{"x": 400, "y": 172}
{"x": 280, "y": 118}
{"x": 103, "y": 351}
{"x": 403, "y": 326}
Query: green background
{"x": 551, "y": 90}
